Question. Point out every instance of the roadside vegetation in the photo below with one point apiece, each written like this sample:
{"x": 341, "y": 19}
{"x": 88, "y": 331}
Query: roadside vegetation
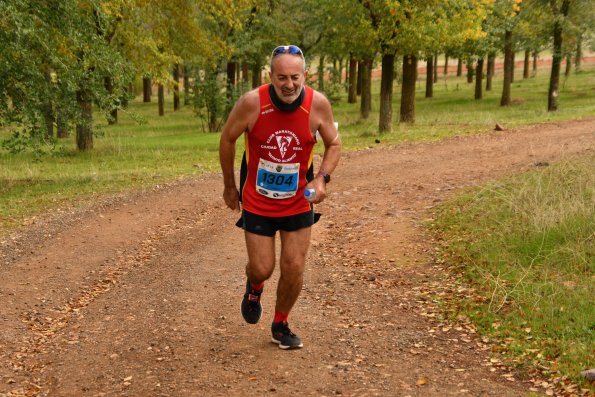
{"x": 527, "y": 246}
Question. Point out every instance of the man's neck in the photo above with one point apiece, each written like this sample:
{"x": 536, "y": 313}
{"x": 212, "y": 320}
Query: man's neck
{"x": 286, "y": 107}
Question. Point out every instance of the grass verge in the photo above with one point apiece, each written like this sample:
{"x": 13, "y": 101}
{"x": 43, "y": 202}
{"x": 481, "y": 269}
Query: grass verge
{"x": 527, "y": 245}
{"x": 125, "y": 156}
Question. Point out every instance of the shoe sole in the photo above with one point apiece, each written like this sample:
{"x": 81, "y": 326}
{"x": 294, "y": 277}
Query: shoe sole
{"x": 286, "y": 347}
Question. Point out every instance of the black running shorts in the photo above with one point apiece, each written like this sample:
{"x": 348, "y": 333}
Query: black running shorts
{"x": 268, "y": 226}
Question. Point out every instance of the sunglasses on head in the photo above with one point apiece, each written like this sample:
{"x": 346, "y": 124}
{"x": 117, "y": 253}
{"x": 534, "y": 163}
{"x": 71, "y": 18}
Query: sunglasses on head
{"x": 287, "y": 49}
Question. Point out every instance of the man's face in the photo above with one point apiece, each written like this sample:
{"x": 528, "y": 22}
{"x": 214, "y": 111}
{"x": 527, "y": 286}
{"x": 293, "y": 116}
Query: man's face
{"x": 287, "y": 76}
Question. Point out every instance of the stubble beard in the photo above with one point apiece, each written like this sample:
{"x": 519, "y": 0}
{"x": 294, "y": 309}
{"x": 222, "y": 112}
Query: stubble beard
{"x": 288, "y": 96}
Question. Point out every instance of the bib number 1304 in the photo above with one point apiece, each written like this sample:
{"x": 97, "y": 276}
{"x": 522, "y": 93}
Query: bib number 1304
{"x": 277, "y": 181}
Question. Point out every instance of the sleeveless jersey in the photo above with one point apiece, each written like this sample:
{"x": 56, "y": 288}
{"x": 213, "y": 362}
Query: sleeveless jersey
{"x": 277, "y": 163}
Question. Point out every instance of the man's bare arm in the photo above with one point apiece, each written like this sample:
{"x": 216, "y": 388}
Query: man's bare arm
{"x": 325, "y": 124}
{"x": 239, "y": 121}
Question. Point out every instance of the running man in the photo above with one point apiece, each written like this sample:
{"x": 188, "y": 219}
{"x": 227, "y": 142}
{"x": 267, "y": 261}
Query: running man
{"x": 279, "y": 121}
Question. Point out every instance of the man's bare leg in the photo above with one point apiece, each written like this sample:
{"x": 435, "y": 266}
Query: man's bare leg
{"x": 294, "y": 248}
{"x": 261, "y": 257}
{"x": 261, "y": 263}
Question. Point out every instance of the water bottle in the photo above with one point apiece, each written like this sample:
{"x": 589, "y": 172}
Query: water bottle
{"x": 310, "y": 194}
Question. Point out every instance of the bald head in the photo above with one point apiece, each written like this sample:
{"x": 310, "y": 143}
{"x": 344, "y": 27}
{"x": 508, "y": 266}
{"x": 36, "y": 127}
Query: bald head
{"x": 280, "y": 58}
{"x": 287, "y": 50}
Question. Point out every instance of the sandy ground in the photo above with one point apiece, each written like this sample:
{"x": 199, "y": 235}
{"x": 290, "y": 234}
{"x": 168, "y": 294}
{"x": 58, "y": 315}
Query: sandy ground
{"x": 139, "y": 295}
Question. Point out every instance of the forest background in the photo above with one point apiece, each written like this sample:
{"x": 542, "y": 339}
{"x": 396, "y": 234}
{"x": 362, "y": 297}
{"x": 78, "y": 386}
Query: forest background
{"x": 62, "y": 58}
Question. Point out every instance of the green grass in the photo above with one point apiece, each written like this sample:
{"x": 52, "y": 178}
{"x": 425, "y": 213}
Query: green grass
{"x": 126, "y": 155}
{"x": 454, "y": 111}
{"x": 527, "y": 244}
{"x": 130, "y": 155}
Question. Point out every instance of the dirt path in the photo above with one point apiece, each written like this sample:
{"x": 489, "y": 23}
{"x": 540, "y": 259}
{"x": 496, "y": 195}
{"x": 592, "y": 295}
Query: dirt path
{"x": 139, "y": 296}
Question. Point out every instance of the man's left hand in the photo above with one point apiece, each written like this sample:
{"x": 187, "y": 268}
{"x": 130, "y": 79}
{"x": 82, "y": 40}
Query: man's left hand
{"x": 319, "y": 186}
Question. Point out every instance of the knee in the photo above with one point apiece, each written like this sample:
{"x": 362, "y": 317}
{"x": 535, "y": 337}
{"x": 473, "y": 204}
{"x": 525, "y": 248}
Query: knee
{"x": 259, "y": 273}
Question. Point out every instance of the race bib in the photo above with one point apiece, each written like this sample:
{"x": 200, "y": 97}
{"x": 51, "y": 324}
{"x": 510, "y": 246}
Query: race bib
{"x": 277, "y": 181}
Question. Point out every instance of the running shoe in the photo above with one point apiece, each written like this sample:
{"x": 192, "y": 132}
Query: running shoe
{"x": 283, "y": 336}
{"x": 251, "y": 307}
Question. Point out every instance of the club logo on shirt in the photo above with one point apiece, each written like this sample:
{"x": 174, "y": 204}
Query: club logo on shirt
{"x": 287, "y": 144}
{"x": 283, "y": 143}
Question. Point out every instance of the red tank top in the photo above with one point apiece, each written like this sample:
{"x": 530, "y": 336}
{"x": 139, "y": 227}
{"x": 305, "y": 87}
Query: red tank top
{"x": 278, "y": 157}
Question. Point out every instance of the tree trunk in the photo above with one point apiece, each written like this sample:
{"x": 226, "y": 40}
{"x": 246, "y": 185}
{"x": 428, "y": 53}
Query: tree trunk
{"x": 256, "y": 76}
{"x": 176, "y": 77}
{"x": 48, "y": 110}
{"x": 186, "y": 86}
{"x": 512, "y": 66}
{"x": 535, "y": 58}
{"x": 347, "y": 67}
{"x": 430, "y": 77}
{"x": 408, "y": 89}
{"x": 212, "y": 122}
{"x": 445, "y": 64}
{"x": 352, "y": 97}
{"x": 435, "y": 68}
{"x": 469, "y": 65}
{"x": 231, "y": 83}
{"x": 334, "y": 64}
{"x": 321, "y": 73}
{"x": 552, "y": 102}
{"x": 126, "y": 97}
{"x": 84, "y": 132}
{"x": 62, "y": 125}
{"x": 245, "y": 73}
{"x": 385, "y": 123}
{"x": 460, "y": 67}
{"x": 113, "y": 114}
{"x": 212, "y": 105}
{"x": 233, "y": 70}
{"x": 579, "y": 53}
{"x": 161, "y": 99}
{"x": 505, "y": 99}
{"x": 48, "y": 116}
{"x": 490, "y": 71}
{"x": 360, "y": 72}
{"x": 526, "y": 64}
{"x": 366, "y": 97}
{"x": 231, "y": 75}
{"x": 147, "y": 89}
{"x": 568, "y": 65}
{"x": 479, "y": 79}
{"x": 238, "y": 74}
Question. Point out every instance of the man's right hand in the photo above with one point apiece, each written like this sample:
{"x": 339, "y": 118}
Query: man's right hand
{"x": 231, "y": 196}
